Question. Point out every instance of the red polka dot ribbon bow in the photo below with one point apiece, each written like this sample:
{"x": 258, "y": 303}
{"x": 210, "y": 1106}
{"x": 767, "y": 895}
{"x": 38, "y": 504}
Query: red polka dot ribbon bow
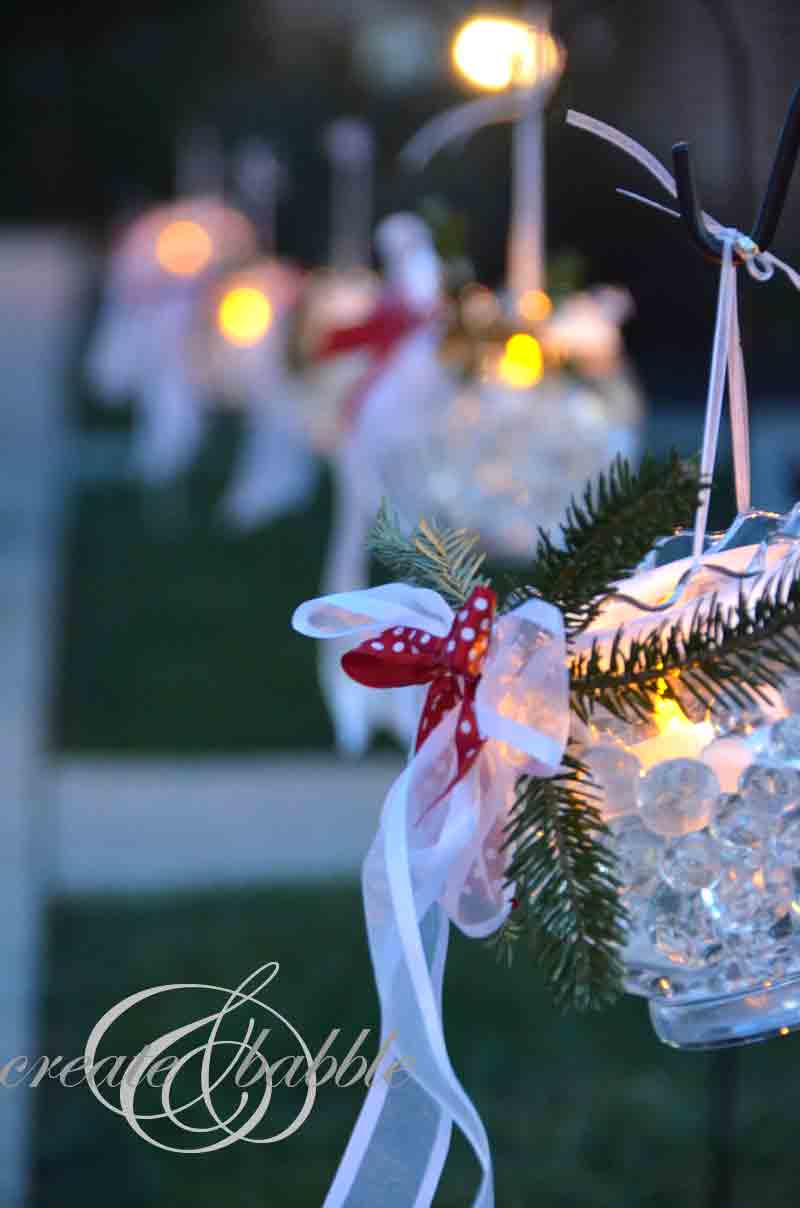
{"x": 452, "y": 665}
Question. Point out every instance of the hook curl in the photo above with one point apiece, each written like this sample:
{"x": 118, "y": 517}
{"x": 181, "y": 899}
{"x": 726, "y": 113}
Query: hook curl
{"x": 774, "y": 197}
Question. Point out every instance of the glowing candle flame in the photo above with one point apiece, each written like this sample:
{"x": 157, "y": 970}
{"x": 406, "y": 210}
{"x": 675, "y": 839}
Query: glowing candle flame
{"x": 244, "y": 316}
{"x": 521, "y": 364}
{"x": 678, "y": 737}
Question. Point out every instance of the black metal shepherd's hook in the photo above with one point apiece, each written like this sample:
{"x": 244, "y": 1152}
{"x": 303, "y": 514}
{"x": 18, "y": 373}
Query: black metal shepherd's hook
{"x": 774, "y": 197}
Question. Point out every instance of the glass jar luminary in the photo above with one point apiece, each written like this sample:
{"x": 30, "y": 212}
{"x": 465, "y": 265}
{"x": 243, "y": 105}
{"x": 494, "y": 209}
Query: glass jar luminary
{"x": 703, "y": 810}
{"x": 504, "y": 460}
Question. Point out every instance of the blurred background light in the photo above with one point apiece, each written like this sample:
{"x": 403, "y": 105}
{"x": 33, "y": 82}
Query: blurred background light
{"x": 534, "y": 305}
{"x": 496, "y": 52}
{"x": 184, "y": 248}
{"x": 244, "y": 315}
{"x": 521, "y": 364}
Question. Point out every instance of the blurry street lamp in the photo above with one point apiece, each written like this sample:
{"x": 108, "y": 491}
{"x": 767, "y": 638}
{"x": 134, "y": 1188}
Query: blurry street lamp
{"x": 499, "y": 54}
{"x": 521, "y": 58}
{"x": 496, "y": 53}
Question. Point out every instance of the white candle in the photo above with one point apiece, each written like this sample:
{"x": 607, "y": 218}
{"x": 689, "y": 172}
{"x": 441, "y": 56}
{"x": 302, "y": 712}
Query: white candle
{"x": 728, "y": 758}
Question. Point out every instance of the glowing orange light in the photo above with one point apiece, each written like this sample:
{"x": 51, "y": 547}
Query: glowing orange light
{"x": 535, "y": 305}
{"x": 783, "y": 1031}
{"x": 496, "y": 52}
{"x": 522, "y": 363}
{"x": 244, "y": 315}
{"x": 184, "y": 248}
{"x": 678, "y": 737}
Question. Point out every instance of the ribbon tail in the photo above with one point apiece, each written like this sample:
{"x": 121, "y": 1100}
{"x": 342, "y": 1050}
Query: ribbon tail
{"x": 716, "y": 391}
{"x": 738, "y": 403}
{"x": 399, "y": 1144}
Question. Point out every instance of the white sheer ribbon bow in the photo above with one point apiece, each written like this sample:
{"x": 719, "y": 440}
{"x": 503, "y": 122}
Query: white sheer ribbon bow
{"x": 437, "y": 858}
{"x": 726, "y": 358}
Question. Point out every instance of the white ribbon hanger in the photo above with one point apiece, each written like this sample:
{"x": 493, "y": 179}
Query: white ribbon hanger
{"x": 727, "y": 363}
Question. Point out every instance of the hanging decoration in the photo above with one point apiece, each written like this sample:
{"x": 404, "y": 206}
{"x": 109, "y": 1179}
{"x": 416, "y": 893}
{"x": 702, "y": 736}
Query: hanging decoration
{"x": 398, "y": 375}
{"x": 540, "y": 396}
{"x": 270, "y": 376}
{"x": 324, "y": 362}
{"x": 607, "y": 763}
{"x": 141, "y": 350}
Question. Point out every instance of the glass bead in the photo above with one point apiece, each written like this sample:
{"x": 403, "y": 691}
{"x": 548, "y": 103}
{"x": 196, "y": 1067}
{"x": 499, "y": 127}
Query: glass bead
{"x": 731, "y": 974}
{"x": 733, "y": 904}
{"x": 770, "y": 788}
{"x": 790, "y": 692}
{"x": 778, "y": 887}
{"x": 638, "y": 853}
{"x": 679, "y": 928}
{"x": 745, "y": 905}
{"x": 690, "y": 863}
{"x": 616, "y": 772}
{"x": 784, "y": 739}
{"x": 740, "y": 830}
{"x": 677, "y": 797}
{"x": 785, "y": 838}
{"x": 667, "y": 928}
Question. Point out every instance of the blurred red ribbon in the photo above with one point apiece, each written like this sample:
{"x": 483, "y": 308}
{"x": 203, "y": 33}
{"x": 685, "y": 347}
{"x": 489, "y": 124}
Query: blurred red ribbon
{"x": 390, "y": 322}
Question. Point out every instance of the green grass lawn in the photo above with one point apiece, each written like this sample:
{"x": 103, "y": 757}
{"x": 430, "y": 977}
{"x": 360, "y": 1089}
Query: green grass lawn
{"x": 581, "y": 1111}
{"x": 176, "y": 633}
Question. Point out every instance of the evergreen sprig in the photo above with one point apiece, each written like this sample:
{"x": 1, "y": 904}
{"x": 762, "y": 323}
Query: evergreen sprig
{"x": 566, "y": 887}
{"x": 607, "y": 534}
{"x": 444, "y": 559}
{"x": 724, "y": 657}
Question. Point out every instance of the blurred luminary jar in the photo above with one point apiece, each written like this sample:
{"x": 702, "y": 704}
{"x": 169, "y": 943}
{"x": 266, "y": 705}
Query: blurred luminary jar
{"x": 540, "y": 402}
{"x": 542, "y": 399}
{"x": 143, "y": 347}
{"x": 704, "y": 812}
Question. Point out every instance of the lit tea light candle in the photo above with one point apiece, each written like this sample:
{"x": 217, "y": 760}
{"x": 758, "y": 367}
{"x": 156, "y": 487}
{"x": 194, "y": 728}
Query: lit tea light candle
{"x": 678, "y": 737}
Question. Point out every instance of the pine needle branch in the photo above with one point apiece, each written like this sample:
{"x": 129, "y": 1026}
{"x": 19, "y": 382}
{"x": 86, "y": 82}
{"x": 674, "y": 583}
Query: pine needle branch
{"x": 564, "y": 880}
{"x": 721, "y": 657}
{"x": 444, "y": 559}
{"x": 505, "y": 940}
{"x": 607, "y": 533}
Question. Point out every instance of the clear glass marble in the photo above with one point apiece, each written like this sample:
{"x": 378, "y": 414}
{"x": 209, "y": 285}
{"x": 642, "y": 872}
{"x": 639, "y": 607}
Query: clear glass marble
{"x": 638, "y": 851}
{"x": 785, "y": 839}
{"x": 784, "y": 739}
{"x": 678, "y": 796}
{"x": 770, "y": 787}
{"x": 691, "y": 863}
{"x": 616, "y": 773}
{"x": 741, "y": 831}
